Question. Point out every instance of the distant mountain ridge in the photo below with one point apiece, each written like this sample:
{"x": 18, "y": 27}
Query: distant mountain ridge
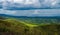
{"x": 4, "y": 15}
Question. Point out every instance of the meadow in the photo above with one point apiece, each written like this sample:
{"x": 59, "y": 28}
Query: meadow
{"x": 29, "y": 26}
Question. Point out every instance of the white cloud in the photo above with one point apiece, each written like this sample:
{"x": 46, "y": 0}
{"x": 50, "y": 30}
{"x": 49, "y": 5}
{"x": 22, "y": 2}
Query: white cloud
{"x": 36, "y": 12}
{"x": 18, "y": 1}
{"x": 33, "y": 3}
{"x": 24, "y": 3}
{"x": 30, "y": 1}
{"x": 37, "y": 3}
{"x": 54, "y": 3}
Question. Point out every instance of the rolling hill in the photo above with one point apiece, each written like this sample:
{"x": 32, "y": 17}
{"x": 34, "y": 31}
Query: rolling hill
{"x": 29, "y": 26}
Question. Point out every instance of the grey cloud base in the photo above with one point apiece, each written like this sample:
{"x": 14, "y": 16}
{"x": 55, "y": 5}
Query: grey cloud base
{"x": 31, "y": 4}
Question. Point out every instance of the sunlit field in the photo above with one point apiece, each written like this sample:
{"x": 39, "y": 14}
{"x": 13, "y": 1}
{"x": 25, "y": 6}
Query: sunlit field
{"x": 29, "y": 26}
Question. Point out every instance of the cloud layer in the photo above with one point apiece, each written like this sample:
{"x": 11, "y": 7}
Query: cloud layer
{"x": 28, "y": 4}
{"x": 31, "y": 4}
{"x": 45, "y": 12}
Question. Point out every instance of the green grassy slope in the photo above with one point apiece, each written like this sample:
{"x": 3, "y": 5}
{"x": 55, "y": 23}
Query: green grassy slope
{"x": 11, "y": 26}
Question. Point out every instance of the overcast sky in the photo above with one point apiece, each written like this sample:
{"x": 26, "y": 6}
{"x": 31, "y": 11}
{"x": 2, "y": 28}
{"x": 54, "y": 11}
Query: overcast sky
{"x": 35, "y": 4}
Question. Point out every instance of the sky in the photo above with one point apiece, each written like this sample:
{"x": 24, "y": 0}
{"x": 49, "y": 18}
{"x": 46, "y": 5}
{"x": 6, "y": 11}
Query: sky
{"x": 42, "y": 12}
{"x": 31, "y": 4}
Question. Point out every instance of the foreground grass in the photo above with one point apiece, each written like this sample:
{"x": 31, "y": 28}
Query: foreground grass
{"x": 12, "y": 26}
